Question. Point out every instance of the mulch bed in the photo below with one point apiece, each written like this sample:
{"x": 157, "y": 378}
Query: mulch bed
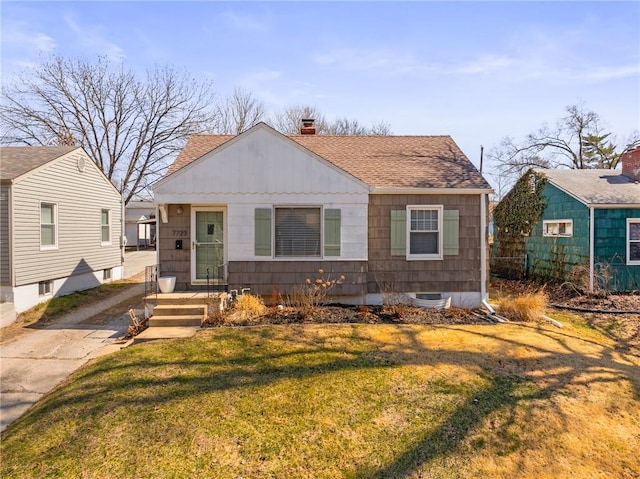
{"x": 340, "y": 313}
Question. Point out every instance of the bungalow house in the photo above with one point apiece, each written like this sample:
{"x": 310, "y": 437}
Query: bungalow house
{"x": 60, "y": 224}
{"x": 581, "y": 226}
{"x": 265, "y": 211}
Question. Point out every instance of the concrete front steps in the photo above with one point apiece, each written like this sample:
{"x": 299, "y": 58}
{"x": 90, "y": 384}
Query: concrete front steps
{"x": 183, "y": 308}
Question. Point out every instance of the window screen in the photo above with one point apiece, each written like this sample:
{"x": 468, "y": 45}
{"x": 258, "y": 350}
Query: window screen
{"x": 297, "y": 232}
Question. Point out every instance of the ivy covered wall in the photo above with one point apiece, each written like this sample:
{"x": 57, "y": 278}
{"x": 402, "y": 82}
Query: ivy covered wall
{"x": 514, "y": 218}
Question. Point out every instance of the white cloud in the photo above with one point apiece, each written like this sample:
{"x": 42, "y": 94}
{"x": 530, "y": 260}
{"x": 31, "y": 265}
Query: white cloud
{"x": 610, "y": 73}
{"x": 19, "y": 33}
{"x": 91, "y": 37}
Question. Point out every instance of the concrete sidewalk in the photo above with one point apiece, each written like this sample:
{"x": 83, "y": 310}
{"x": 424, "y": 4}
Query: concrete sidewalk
{"x": 36, "y": 362}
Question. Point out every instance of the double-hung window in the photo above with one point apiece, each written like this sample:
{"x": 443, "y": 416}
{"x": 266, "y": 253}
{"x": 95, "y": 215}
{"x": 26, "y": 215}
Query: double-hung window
{"x": 633, "y": 241}
{"x": 557, "y": 228}
{"x": 425, "y": 232}
{"x": 105, "y": 227}
{"x": 297, "y": 232}
{"x": 48, "y": 226}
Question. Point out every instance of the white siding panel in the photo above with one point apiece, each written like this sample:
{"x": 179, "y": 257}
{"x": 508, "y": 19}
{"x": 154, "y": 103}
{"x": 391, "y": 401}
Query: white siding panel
{"x": 260, "y": 162}
{"x": 80, "y": 197}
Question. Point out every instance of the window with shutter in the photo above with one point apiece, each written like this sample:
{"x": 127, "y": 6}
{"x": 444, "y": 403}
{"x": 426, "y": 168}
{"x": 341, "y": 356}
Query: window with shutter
{"x": 297, "y": 232}
{"x": 425, "y": 232}
{"x": 332, "y": 234}
{"x": 262, "y": 232}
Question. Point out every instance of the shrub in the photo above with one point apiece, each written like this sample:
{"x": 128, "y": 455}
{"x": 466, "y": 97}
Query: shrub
{"x": 307, "y": 297}
{"x": 526, "y": 307}
{"x": 250, "y": 305}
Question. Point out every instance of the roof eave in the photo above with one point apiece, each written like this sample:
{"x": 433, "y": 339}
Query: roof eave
{"x": 430, "y": 191}
{"x": 613, "y": 205}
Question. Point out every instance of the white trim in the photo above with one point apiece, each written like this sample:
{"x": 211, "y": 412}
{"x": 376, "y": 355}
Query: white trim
{"x": 273, "y": 233}
{"x": 192, "y": 244}
{"x": 558, "y": 222}
{"x": 483, "y": 247}
{"x": 55, "y": 224}
{"x": 108, "y": 242}
{"x": 430, "y": 191}
{"x": 628, "y": 241}
{"x": 421, "y": 257}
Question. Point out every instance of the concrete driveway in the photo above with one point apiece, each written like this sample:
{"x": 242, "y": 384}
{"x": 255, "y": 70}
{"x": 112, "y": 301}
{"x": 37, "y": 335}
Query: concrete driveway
{"x": 36, "y": 362}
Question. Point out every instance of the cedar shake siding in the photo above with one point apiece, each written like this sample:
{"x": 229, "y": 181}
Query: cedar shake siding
{"x": 454, "y": 273}
{"x": 176, "y": 262}
{"x": 283, "y": 277}
{"x": 365, "y": 188}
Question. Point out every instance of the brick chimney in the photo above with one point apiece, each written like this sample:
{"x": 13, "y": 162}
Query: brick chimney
{"x": 307, "y": 127}
{"x": 631, "y": 164}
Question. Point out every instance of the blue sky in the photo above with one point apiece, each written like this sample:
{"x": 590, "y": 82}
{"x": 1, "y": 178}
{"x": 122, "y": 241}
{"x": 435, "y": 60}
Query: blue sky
{"x": 477, "y": 71}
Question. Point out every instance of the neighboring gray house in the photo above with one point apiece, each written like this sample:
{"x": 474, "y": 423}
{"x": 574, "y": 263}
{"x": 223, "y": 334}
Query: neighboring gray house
{"x": 140, "y": 223}
{"x": 404, "y": 214}
{"x": 60, "y": 224}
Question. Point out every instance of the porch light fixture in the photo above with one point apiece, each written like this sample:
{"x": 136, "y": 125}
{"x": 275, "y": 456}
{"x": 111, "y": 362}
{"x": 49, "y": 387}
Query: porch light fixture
{"x": 179, "y": 210}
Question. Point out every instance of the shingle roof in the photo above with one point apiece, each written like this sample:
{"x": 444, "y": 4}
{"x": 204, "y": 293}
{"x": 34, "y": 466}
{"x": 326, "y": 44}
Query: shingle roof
{"x": 15, "y": 161}
{"x": 379, "y": 161}
{"x": 596, "y": 187}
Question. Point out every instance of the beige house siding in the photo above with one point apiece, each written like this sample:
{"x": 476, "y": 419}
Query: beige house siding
{"x": 459, "y": 273}
{"x": 5, "y": 239}
{"x": 80, "y": 197}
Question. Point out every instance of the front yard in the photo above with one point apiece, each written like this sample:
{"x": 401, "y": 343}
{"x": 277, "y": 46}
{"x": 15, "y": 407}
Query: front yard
{"x": 344, "y": 401}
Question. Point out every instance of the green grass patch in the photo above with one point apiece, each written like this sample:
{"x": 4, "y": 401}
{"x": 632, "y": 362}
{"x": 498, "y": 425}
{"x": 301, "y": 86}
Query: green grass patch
{"x": 346, "y": 401}
{"x": 55, "y": 307}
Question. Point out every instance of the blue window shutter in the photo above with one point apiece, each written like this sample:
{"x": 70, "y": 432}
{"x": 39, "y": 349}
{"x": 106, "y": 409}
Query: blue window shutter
{"x": 263, "y": 232}
{"x": 398, "y": 232}
{"x": 451, "y": 239}
{"x": 332, "y": 237}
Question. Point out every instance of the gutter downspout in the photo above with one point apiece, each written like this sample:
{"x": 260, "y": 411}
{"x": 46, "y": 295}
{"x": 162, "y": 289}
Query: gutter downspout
{"x": 592, "y": 234}
{"x": 483, "y": 248}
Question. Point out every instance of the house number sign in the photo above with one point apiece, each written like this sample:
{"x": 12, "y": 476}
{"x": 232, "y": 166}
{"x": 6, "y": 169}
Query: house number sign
{"x": 179, "y": 233}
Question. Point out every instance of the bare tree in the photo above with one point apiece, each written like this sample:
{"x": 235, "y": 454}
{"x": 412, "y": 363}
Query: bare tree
{"x": 130, "y": 127}
{"x": 381, "y": 128}
{"x": 239, "y": 112}
{"x": 289, "y": 120}
{"x": 345, "y": 126}
{"x": 576, "y": 142}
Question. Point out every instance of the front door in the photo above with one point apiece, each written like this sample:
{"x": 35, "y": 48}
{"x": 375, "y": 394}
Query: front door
{"x": 207, "y": 249}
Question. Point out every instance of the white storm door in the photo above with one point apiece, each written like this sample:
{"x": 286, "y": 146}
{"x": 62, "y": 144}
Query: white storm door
{"x": 207, "y": 245}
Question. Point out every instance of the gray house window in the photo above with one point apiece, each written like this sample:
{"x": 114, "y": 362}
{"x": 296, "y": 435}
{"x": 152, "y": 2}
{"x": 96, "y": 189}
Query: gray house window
{"x": 106, "y": 227}
{"x": 297, "y": 232}
{"x": 48, "y": 226}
